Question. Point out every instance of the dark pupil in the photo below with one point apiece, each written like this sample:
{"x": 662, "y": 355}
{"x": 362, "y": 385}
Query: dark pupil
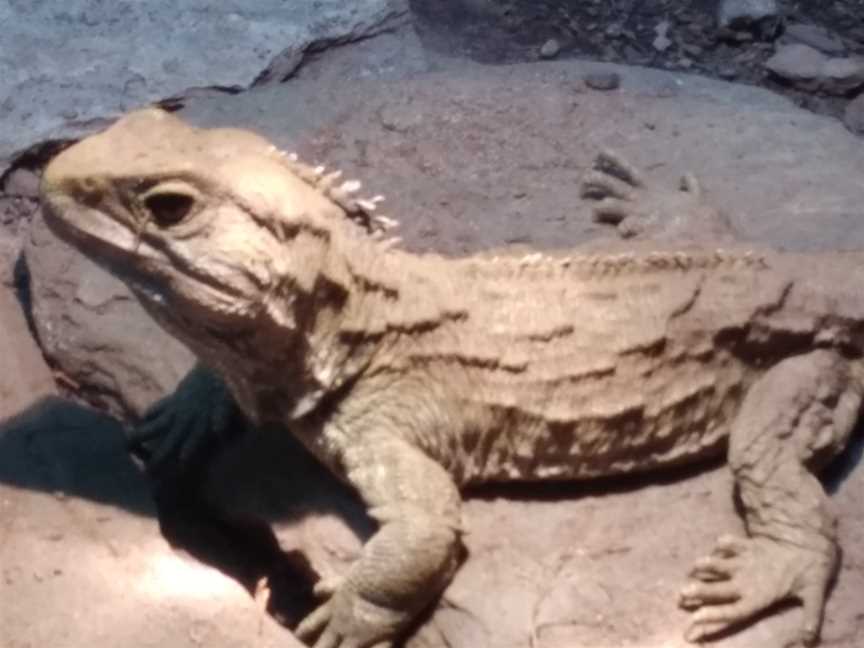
{"x": 169, "y": 208}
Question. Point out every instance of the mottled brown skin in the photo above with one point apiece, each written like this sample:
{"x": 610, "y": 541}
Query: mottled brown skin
{"x": 413, "y": 375}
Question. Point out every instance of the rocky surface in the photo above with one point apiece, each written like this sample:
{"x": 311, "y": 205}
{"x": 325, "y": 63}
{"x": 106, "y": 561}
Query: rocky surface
{"x": 25, "y": 378}
{"x": 87, "y": 322}
{"x": 487, "y": 157}
{"x": 727, "y": 40}
{"x": 66, "y": 68}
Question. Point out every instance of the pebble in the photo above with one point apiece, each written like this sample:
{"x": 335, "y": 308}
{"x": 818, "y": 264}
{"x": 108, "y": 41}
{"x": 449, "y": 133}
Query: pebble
{"x": 853, "y": 116}
{"x": 603, "y": 80}
{"x": 550, "y": 49}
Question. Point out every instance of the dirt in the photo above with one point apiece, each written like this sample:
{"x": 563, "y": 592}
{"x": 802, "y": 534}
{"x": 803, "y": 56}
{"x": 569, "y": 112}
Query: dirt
{"x": 509, "y": 31}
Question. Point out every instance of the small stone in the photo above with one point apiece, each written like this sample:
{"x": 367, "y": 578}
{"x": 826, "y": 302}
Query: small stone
{"x": 814, "y": 36}
{"x": 809, "y": 69}
{"x": 603, "y": 80}
{"x": 22, "y": 182}
{"x": 842, "y": 75}
{"x": 550, "y": 49}
{"x": 755, "y": 16}
{"x": 800, "y": 64}
{"x": 662, "y": 42}
{"x": 853, "y": 116}
{"x": 727, "y": 72}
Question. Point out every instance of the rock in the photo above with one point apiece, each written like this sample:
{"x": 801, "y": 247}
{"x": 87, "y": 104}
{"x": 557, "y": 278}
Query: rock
{"x": 16, "y": 213}
{"x": 550, "y": 49}
{"x": 843, "y": 74}
{"x": 800, "y": 64}
{"x": 603, "y": 80}
{"x": 25, "y": 378}
{"x": 809, "y": 69}
{"x": 66, "y": 66}
{"x": 853, "y": 115}
{"x": 662, "y": 42}
{"x": 95, "y": 332}
{"x": 814, "y": 36}
{"x": 758, "y": 16}
{"x": 21, "y": 183}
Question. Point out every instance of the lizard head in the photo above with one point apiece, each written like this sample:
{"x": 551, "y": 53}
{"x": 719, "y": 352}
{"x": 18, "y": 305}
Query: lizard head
{"x": 209, "y": 227}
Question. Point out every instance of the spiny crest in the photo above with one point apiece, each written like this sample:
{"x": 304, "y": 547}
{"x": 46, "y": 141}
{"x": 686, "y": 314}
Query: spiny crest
{"x": 344, "y": 193}
{"x": 625, "y": 263}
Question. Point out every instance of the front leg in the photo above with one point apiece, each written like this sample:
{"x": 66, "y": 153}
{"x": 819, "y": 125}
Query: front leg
{"x": 179, "y": 433}
{"x": 410, "y": 559}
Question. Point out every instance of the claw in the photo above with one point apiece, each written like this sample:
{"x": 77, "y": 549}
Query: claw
{"x": 314, "y": 623}
{"x": 599, "y": 185}
{"x": 613, "y": 164}
{"x": 691, "y": 184}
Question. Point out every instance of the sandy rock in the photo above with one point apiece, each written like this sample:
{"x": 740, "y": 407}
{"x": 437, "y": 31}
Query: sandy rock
{"x": 95, "y": 332}
{"x": 24, "y": 378}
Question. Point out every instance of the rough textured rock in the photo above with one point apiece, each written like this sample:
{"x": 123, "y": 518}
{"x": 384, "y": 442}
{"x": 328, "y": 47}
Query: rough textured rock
{"x": 491, "y": 156}
{"x": 25, "y": 378}
{"x": 64, "y": 68}
{"x": 810, "y": 69}
{"x": 95, "y": 332}
{"x": 18, "y": 202}
{"x": 82, "y": 562}
{"x": 761, "y": 15}
{"x": 814, "y": 36}
{"x": 853, "y": 116}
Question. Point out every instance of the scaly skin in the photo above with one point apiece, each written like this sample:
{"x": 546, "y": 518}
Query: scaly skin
{"x": 413, "y": 375}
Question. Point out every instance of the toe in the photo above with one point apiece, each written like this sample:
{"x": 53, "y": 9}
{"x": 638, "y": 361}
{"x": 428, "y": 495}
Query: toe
{"x": 712, "y": 569}
{"x": 599, "y": 185}
{"x": 329, "y": 639}
{"x": 611, "y": 211}
{"x": 710, "y": 620}
{"x": 614, "y": 164}
{"x": 314, "y": 623}
{"x": 730, "y": 545}
{"x": 695, "y": 595}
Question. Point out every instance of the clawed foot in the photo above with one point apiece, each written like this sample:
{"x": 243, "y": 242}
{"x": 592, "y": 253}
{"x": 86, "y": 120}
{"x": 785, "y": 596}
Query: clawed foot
{"x": 348, "y": 620}
{"x": 622, "y": 199}
{"x": 183, "y": 428}
{"x": 744, "y": 576}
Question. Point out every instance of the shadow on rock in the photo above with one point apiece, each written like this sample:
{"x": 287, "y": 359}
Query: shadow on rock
{"x": 56, "y": 446}
{"x": 223, "y": 514}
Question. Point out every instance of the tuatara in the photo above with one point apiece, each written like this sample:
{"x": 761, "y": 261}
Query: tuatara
{"x": 413, "y": 375}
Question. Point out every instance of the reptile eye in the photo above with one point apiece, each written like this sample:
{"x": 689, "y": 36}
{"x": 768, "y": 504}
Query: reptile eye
{"x": 170, "y": 204}
{"x": 169, "y": 207}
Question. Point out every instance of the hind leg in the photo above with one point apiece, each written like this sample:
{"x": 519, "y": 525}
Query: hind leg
{"x": 621, "y": 198}
{"x": 792, "y": 421}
